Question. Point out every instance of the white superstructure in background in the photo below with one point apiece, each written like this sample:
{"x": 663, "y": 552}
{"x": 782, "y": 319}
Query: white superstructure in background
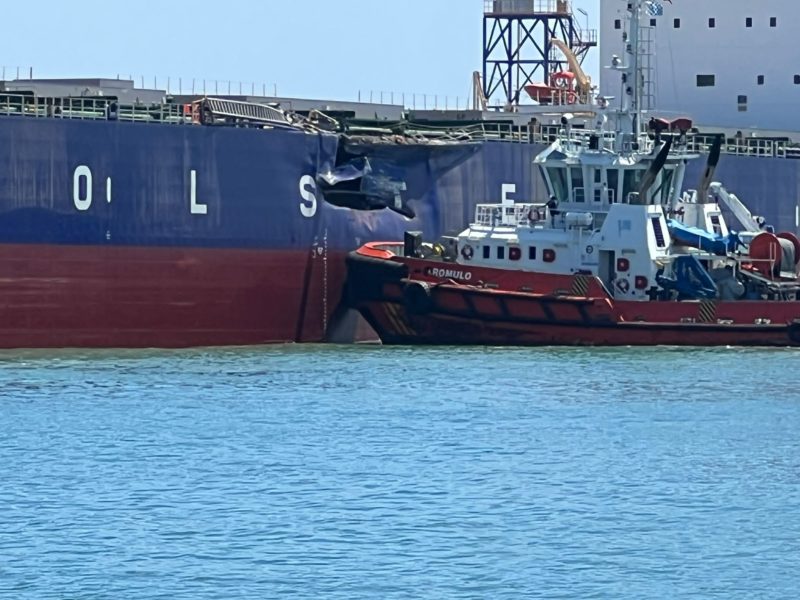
{"x": 731, "y": 64}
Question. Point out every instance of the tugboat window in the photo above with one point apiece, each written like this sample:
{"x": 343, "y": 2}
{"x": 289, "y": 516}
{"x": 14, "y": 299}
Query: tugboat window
{"x": 712, "y": 22}
{"x": 617, "y": 24}
{"x": 633, "y": 177}
{"x": 576, "y": 176}
{"x": 558, "y": 178}
{"x": 613, "y": 184}
{"x": 748, "y": 22}
{"x": 773, "y": 21}
{"x": 501, "y": 252}
{"x": 487, "y": 252}
{"x": 797, "y": 79}
{"x": 677, "y": 23}
{"x": 760, "y": 80}
{"x": 531, "y": 252}
{"x": 706, "y": 80}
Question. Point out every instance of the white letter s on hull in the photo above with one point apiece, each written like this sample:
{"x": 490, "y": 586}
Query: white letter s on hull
{"x": 308, "y": 191}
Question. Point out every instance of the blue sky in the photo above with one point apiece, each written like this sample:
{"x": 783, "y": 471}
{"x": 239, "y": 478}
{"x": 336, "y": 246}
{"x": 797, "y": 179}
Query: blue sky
{"x": 308, "y": 48}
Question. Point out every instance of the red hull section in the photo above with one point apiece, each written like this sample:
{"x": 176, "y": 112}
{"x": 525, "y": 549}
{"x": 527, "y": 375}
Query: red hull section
{"x": 396, "y": 325}
{"x": 418, "y": 302}
{"x": 68, "y": 296}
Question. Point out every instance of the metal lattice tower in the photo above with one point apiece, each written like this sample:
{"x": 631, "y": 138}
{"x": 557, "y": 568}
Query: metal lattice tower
{"x": 518, "y": 48}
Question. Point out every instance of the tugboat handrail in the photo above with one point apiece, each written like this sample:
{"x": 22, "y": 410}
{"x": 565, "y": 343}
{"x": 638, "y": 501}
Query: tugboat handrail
{"x": 510, "y": 215}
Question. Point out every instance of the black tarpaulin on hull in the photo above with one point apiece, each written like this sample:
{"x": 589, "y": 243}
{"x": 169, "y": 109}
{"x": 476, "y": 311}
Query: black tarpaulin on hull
{"x": 371, "y": 175}
{"x": 351, "y": 186}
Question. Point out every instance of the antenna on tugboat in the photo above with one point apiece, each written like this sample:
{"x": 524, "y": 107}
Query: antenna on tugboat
{"x": 633, "y": 76}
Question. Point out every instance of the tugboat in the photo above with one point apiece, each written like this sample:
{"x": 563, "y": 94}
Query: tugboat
{"x": 618, "y": 255}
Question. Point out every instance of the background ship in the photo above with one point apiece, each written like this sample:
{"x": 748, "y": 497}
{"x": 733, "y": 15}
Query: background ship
{"x": 730, "y": 68}
{"x": 130, "y": 219}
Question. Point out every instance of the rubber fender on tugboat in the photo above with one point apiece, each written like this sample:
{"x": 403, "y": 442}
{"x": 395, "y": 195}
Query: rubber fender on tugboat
{"x": 417, "y": 297}
{"x": 794, "y": 332}
{"x": 366, "y": 276}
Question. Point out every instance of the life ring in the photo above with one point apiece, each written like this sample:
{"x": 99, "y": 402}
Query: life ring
{"x": 589, "y": 249}
{"x": 467, "y": 252}
{"x": 623, "y": 285}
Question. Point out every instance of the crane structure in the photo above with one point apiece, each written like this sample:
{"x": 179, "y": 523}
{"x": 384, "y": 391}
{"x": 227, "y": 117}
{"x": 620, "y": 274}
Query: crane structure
{"x": 519, "y": 47}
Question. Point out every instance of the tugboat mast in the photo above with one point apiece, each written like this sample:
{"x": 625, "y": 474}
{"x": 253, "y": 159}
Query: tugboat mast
{"x": 633, "y": 89}
{"x": 630, "y": 111}
{"x": 630, "y": 117}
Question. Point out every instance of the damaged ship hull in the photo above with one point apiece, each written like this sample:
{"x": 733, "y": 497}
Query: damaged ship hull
{"x": 123, "y": 234}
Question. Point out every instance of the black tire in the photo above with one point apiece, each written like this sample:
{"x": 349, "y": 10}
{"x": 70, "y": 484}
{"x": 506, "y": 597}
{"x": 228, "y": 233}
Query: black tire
{"x": 417, "y": 297}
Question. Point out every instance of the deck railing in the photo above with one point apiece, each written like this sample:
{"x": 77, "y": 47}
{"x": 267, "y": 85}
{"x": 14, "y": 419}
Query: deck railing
{"x": 512, "y": 215}
{"x": 109, "y": 109}
{"x": 91, "y": 108}
{"x": 526, "y": 7}
{"x": 699, "y": 143}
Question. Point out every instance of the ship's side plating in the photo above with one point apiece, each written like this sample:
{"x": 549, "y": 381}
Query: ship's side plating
{"x": 770, "y": 186}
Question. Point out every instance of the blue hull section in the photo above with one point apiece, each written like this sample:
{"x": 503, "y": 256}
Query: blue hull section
{"x": 127, "y": 184}
{"x": 769, "y": 187}
{"x": 95, "y": 182}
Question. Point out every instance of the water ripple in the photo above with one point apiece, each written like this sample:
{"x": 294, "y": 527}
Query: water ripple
{"x": 366, "y": 472}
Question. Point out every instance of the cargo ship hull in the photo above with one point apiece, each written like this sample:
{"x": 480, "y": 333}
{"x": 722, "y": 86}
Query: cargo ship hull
{"x": 116, "y": 234}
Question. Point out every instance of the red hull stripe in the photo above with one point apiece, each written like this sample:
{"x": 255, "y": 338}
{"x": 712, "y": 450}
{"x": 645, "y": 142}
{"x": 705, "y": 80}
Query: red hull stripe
{"x": 90, "y": 296}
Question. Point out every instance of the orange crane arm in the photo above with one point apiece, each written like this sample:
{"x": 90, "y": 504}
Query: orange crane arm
{"x": 582, "y": 80}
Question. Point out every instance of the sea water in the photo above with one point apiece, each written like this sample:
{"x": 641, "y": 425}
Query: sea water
{"x": 372, "y": 472}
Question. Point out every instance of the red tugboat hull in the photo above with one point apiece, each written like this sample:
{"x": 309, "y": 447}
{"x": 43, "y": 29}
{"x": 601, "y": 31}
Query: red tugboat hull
{"x": 415, "y": 301}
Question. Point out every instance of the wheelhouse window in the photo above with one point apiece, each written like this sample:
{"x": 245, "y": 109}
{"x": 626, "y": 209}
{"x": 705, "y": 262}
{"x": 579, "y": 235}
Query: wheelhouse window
{"x": 748, "y": 22}
{"x": 712, "y": 23}
{"x": 760, "y": 80}
{"x": 773, "y": 21}
{"x": 612, "y": 176}
{"x": 598, "y": 180}
{"x": 558, "y": 179}
{"x": 576, "y": 179}
{"x": 631, "y": 181}
{"x": 676, "y": 23}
